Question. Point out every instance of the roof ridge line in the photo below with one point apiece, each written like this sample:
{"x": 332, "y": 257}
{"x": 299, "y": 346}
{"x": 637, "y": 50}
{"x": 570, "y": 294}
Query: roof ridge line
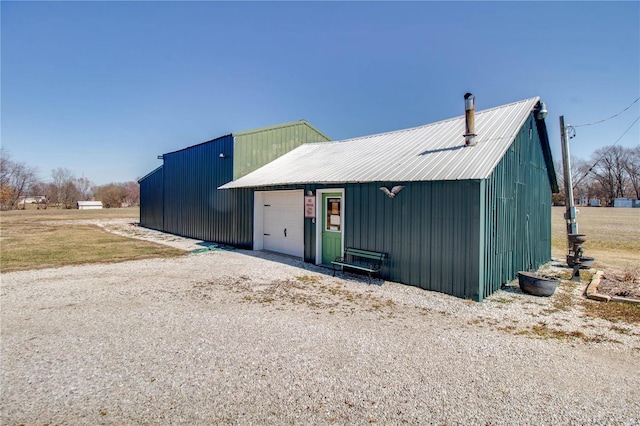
{"x": 279, "y": 126}
{"x": 436, "y": 122}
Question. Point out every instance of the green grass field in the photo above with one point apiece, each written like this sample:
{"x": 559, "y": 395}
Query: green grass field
{"x": 33, "y": 239}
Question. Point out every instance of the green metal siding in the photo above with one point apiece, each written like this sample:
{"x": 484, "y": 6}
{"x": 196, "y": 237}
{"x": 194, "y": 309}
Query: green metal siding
{"x": 465, "y": 238}
{"x": 517, "y": 221}
{"x": 256, "y": 148}
{"x": 430, "y": 232}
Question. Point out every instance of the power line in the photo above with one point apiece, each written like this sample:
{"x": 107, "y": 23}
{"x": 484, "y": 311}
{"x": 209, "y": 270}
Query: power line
{"x": 607, "y": 151}
{"x": 606, "y": 119}
{"x": 628, "y": 128}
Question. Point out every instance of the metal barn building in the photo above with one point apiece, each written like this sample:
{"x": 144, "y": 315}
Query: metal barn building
{"x": 181, "y": 196}
{"x": 473, "y": 210}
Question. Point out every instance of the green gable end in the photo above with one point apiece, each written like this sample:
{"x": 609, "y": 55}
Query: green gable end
{"x": 255, "y": 148}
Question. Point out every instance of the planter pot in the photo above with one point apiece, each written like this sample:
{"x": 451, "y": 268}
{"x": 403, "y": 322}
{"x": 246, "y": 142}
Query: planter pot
{"x": 536, "y": 285}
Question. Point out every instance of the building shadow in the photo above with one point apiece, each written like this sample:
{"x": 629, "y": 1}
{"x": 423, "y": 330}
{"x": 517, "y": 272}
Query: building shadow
{"x": 297, "y": 262}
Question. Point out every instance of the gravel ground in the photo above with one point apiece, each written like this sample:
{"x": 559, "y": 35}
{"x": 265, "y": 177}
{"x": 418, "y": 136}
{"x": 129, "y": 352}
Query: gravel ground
{"x": 253, "y": 338}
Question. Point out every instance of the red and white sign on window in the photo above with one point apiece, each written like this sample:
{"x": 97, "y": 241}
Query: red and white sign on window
{"x": 309, "y": 206}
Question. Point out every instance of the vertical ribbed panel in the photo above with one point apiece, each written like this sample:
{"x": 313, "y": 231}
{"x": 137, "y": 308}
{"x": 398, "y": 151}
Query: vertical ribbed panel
{"x": 518, "y": 215}
{"x": 430, "y": 232}
{"x": 151, "y": 200}
{"x": 254, "y": 149}
{"x": 194, "y": 207}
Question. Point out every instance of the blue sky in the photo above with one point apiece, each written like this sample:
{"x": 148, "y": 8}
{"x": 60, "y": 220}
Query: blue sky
{"x": 103, "y": 88}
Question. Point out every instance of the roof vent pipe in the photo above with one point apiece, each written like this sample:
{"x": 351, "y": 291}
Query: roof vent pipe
{"x": 469, "y": 120}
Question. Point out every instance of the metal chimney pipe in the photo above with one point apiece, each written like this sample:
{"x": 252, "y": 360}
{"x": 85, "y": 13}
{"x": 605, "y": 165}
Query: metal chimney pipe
{"x": 469, "y": 116}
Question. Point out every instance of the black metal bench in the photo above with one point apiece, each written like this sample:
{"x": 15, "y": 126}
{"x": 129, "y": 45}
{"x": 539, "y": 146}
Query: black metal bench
{"x": 363, "y": 260}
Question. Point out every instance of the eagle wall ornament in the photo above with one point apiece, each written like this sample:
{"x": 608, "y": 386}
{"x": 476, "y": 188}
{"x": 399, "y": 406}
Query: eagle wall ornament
{"x": 394, "y": 191}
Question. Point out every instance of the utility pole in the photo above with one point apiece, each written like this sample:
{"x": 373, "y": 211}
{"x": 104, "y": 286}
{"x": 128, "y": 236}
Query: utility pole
{"x": 570, "y": 214}
{"x": 575, "y": 258}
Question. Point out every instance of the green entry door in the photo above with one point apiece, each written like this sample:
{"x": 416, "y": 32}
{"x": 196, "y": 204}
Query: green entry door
{"x": 332, "y": 222}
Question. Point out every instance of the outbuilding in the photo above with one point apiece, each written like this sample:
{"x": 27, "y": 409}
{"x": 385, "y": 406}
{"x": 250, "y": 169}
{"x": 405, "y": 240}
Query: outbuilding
{"x": 623, "y": 202}
{"x": 458, "y": 206}
{"x": 181, "y": 195}
{"x": 89, "y": 205}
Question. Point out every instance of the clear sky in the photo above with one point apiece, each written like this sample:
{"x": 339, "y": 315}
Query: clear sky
{"x": 103, "y": 88}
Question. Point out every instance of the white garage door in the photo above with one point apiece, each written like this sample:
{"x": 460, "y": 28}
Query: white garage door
{"x": 283, "y": 229}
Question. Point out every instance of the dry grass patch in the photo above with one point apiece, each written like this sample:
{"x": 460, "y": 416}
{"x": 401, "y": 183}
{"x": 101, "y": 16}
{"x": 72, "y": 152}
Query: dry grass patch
{"x": 502, "y": 299}
{"x": 32, "y": 239}
{"x": 68, "y": 214}
{"x": 564, "y": 299}
{"x": 622, "y": 330}
{"x": 613, "y": 234}
{"x": 543, "y": 331}
{"x": 613, "y": 311}
{"x": 561, "y": 302}
{"x": 312, "y": 291}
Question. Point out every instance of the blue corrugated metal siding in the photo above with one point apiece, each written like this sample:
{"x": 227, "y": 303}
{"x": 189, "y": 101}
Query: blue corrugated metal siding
{"x": 194, "y": 207}
{"x": 430, "y": 232}
{"x": 518, "y": 215}
{"x": 151, "y": 200}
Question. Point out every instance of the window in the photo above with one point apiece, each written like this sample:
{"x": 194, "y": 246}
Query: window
{"x": 333, "y": 220}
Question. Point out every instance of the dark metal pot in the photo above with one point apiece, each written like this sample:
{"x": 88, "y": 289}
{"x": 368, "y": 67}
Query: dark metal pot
{"x": 536, "y": 285}
{"x": 577, "y": 238}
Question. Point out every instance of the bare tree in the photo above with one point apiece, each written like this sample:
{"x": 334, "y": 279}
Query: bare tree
{"x": 579, "y": 178}
{"x": 16, "y": 180}
{"x": 85, "y": 188}
{"x": 51, "y": 193}
{"x": 47, "y": 190}
{"x": 609, "y": 172}
{"x": 132, "y": 190}
{"x": 68, "y": 193}
{"x": 632, "y": 167}
{"x": 6, "y": 193}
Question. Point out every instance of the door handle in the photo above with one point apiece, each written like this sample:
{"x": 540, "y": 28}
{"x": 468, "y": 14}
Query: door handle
{"x": 268, "y": 235}
{"x": 285, "y": 232}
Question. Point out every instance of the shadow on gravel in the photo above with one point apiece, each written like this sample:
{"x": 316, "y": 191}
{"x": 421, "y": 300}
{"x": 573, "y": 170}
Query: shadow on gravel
{"x": 514, "y": 289}
{"x": 298, "y": 263}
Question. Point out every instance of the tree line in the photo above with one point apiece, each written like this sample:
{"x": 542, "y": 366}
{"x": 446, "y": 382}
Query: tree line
{"x": 19, "y": 182}
{"x": 611, "y": 172}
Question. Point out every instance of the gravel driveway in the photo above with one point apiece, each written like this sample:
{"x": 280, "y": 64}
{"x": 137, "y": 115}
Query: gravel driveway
{"x": 238, "y": 337}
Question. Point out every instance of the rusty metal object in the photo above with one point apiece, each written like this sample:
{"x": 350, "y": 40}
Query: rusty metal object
{"x": 469, "y": 115}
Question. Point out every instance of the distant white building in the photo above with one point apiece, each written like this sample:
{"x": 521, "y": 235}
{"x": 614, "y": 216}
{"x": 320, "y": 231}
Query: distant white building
{"x": 89, "y": 205}
{"x": 623, "y": 202}
{"x": 594, "y": 202}
{"x": 32, "y": 200}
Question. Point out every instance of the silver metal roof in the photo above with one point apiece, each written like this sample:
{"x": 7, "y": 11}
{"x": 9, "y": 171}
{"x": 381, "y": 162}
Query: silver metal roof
{"x": 427, "y": 153}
